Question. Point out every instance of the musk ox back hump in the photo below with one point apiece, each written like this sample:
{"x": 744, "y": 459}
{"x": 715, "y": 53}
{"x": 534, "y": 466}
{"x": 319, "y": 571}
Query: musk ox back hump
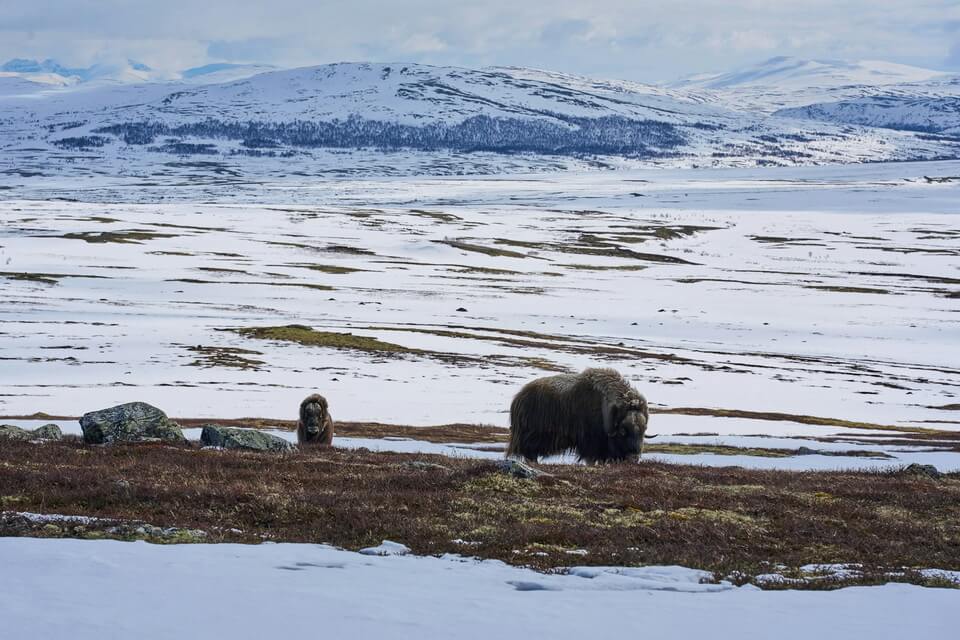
{"x": 549, "y": 415}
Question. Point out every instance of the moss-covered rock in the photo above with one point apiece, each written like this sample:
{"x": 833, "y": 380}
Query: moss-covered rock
{"x": 46, "y": 432}
{"x": 250, "y": 439}
{"x": 131, "y": 422}
{"x": 14, "y": 433}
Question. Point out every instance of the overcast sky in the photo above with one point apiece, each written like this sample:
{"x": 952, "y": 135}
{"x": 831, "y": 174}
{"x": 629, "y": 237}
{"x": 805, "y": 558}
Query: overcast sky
{"x": 637, "y": 40}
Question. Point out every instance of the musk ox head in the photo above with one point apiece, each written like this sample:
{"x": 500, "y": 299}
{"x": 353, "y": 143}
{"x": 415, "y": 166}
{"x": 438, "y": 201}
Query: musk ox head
{"x": 315, "y": 425}
{"x": 313, "y": 409}
{"x": 626, "y": 425}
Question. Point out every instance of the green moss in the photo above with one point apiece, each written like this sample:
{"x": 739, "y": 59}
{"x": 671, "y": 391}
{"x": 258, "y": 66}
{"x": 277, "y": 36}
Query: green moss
{"x": 46, "y": 278}
{"x": 445, "y": 217}
{"x": 630, "y": 517}
{"x": 544, "y": 365}
{"x": 100, "y": 219}
{"x": 305, "y": 285}
{"x": 591, "y": 245}
{"x": 502, "y": 483}
{"x": 723, "y": 516}
{"x": 790, "y": 417}
{"x": 130, "y": 236}
{"x": 222, "y": 270}
{"x": 940, "y": 582}
{"x": 328, "y": 268}
{"x": 722, "y": 450}
{"x": 43, "y": 278}
{"x": 627, "y": 518}
{"x": 477, "y": 248}
{"x": 494, "y": 505}
{"x": 780, "y": 239}
{"x": 183, "y": 536}
{"x": 230, "y": 357}
{"x": 304, "y": 335}
{"x": 839, "y": 289}
{"x": 485, "y": 270}
{"x": 597, "y": 267}
{"x": 330, "y": 248}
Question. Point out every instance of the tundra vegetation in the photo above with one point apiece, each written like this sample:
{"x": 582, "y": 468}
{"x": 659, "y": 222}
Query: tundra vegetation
{"x": 732, "y": 521}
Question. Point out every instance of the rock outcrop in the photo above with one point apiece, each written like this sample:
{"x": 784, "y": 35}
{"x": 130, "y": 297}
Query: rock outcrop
{"x": 131, "y": 422}
{"x": 46, "y": 432}
{"x": 249, "y": 439}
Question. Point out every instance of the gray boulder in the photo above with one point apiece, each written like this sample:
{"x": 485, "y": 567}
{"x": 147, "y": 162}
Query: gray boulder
{"x": 46, "y": 432}
{"x": 250, "y": 439}
{"x": 11, "y": 432}
{"x": 131, "y": 422}
{"x": 927, "y": 470}
{"x": 519, "y": 469}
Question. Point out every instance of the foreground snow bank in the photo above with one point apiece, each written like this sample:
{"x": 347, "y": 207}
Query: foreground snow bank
{"x": 81, "y": 589}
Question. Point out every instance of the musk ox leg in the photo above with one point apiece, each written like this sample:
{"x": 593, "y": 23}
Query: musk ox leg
{"x": 315, "y": 426}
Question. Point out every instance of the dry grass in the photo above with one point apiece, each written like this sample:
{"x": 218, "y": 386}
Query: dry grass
{"x": 720, "y": 519}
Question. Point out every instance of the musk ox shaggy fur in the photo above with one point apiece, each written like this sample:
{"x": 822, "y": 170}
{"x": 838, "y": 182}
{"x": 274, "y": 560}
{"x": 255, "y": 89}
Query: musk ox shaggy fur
{"x": 315, "y": 425}
{"x": 595, "y": 413}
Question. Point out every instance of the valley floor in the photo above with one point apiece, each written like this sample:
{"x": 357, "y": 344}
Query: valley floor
{"x": 760, "y": 311}
{"x": 794, "y": 330}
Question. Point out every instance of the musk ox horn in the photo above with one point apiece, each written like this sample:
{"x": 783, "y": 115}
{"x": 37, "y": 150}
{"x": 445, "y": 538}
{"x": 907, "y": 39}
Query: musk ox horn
{"x": 595, "y": 413}
{"x": 315, "y": 425}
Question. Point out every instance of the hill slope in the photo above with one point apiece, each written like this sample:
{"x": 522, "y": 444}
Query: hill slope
{"x": 298, "y": 113}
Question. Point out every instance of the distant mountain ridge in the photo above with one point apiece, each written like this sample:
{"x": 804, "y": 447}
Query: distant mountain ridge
{"x": 789, "y": 72}
{"x": 50, "y": 73}
{"x": 508, "y": 111}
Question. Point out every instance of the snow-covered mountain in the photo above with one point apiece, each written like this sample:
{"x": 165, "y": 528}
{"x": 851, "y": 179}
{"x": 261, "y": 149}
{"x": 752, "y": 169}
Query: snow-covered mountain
{"x": 223, "y": 72}
{"x": 300, "y": 114}
{"x": 788, "y": 83}
{"x": 867, "y": 93}
{"x": 794, "y": 73}
{"x": 25, "y": 76}
{"x": 937, "y": 114}
{"x": 52, "y": 73}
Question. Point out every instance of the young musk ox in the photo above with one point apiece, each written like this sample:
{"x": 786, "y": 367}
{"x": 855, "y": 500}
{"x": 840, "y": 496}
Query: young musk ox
{"x": 315, "y": 425}
{"x": 595, "y": 413}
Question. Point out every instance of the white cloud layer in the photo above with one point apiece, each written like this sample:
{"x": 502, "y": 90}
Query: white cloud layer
{"x": 631, "y": 39}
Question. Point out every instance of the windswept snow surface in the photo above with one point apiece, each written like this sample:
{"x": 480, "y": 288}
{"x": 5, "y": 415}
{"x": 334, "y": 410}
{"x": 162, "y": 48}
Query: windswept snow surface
{"x": 100, "y": 590}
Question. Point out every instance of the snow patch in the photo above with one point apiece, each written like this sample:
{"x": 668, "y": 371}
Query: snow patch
{"x": 386, "y": 548}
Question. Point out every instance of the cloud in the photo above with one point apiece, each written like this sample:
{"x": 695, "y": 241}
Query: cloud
{"x": 423, "y": 43}
{"x": 563, "y": 31}
{"x": 247, "y": 50}
{"x": 953, "y": 57}
{"x": 632, "y": 39}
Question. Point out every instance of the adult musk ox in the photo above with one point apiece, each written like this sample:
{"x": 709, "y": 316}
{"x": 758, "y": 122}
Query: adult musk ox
{"x": 595, "y": 413}
{"x": 315, "y": 425}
